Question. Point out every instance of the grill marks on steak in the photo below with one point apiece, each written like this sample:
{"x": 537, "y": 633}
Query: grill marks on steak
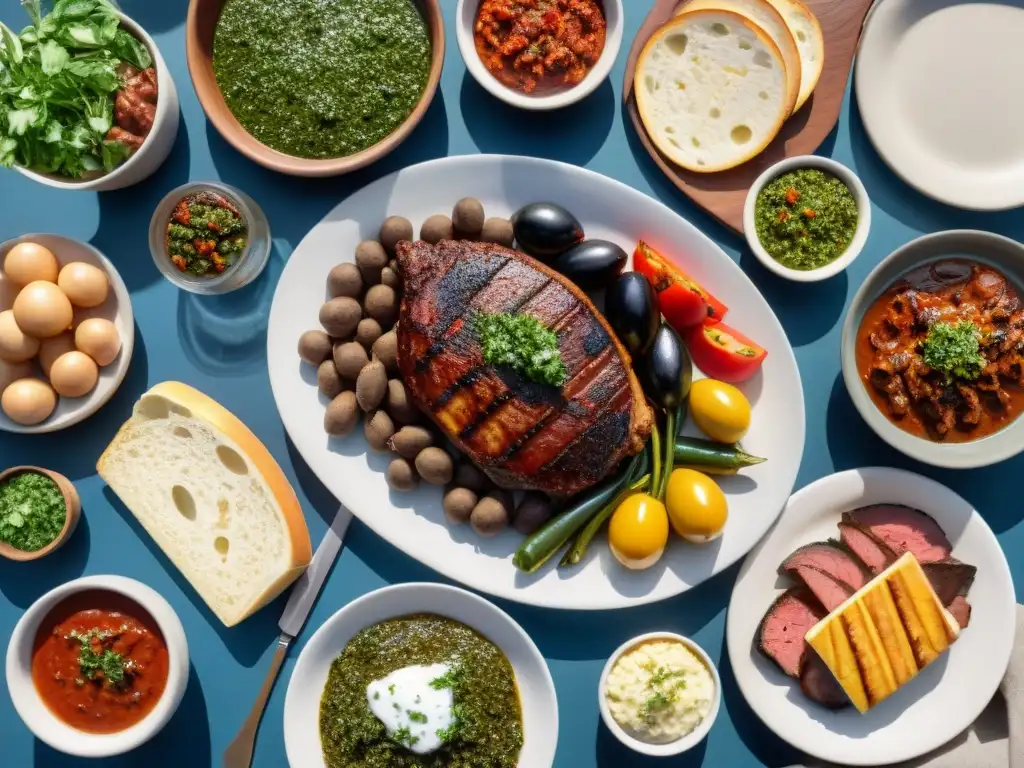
{"x": 525, "y": 435}
{"x": 781, "y": 634}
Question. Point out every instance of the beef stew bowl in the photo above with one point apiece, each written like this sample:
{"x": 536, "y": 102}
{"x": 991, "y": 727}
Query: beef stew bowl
{"x": 160, "y": 123}
{"x": 933, "y": 349}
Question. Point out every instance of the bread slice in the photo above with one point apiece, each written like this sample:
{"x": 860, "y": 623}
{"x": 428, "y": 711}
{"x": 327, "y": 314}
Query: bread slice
{"x": 764, "y": 15}
{"x": 810, "y": 41}
{"x": 711, "y": 90}
{"x": 211, "y": 496}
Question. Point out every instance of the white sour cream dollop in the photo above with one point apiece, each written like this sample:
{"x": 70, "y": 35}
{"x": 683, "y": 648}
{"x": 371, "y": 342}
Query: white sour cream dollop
{"x": 415, "y": 714}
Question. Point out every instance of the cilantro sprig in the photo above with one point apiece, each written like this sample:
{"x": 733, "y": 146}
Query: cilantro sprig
{"x": 522, "y": 343}
{"x": 954, "y": 349}
{"x": 111, "y": 664}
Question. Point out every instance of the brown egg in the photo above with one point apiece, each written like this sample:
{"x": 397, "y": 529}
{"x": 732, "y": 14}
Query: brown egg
{"x": 73, "y": 374}
{"x": 52, "y": 348}
{"x": 42, "y": 310}
{"x": 15, "y": 345}
{"x": 13, "y": 371}
{"x": 84, "y": 284}
{"x": 99, "y": 339}
{"x": 28, "y": 401}
{"x": 28, "y": 262}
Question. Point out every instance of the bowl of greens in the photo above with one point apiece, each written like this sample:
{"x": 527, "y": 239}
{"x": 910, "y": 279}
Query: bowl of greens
{"x": 86, "y": 100}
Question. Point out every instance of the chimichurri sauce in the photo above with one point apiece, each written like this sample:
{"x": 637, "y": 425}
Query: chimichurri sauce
{"x": 321, "y": 78}
{"x": 489, "y": 732}
{"x": 805, "y": 219}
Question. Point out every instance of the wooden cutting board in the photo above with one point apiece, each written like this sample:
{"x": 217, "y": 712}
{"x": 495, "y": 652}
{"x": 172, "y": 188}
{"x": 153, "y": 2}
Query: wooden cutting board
{"x": 722, "y": 194}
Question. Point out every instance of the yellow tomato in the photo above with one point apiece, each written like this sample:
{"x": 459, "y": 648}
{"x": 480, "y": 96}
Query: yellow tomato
{"x": 638, "y": 531}
{"x": 696, "y": 506}
{"x": 720, "y": 410}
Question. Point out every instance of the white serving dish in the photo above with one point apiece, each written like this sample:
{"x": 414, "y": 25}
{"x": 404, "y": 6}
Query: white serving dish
{"x": 465, "y": 20}
{"x": 46, "y": 726}
{"x": 154, "y": 149}
{"x": 687, "y": 742}
{"x": 946, "y": 697}
{"x": 117, "y": 308}
{"x": 860, "y": 235}
{"x": 536, "y": 688}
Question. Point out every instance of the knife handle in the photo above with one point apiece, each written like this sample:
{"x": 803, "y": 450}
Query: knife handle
{"x": 239, "y": 752}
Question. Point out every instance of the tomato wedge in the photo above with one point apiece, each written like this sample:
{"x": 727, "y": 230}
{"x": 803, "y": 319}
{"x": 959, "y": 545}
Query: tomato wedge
{"x": 723, "y": 353}
{"x": 682, "y": 300}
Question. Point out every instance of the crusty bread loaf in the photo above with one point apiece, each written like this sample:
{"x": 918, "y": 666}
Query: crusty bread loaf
{"x": 810, "y": 41}
{"x": 765, "y": 15}
{"x": 211, "y": 496}
{"x": 711, "y": 89}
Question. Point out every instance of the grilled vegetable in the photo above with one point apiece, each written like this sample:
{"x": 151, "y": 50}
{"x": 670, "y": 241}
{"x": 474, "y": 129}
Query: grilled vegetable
{"x": 712, "y": 458}
{"x": 592, "y": 264}
{"x": 545, "y": 229}
{"x": 632, "y": 310}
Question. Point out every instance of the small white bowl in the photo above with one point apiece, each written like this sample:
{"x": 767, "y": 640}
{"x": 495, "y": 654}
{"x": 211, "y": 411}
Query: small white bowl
{"x": 46, "y": 726}
{"x": 465, "y": 20}
{"x": 117, "y": 308}
{"x": 536, "y": 688}
{"x": 860, "y": 235}
{"x": 154, "y": 149}
{"x": 687, "y": 742}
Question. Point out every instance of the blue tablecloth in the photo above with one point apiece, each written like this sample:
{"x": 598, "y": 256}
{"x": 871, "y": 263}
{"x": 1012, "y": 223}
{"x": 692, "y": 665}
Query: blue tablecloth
{"x": 219, "y": 346}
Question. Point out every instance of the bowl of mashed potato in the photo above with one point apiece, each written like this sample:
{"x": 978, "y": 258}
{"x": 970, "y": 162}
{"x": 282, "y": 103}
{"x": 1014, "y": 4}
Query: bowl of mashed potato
{"x": 660, "y": 694}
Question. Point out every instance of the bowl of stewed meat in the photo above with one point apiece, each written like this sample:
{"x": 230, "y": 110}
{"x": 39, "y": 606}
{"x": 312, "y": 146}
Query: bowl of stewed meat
{"x": 933, "y": 349}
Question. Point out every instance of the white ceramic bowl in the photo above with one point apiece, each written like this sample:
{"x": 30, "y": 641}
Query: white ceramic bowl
{"x": 55, "y": 732}
{"x": 154, "y": 149}
{"x": 465, "y": 19}
{"x": 117, "y": 308}
{"x": 536, "y": 688}
{"x": 860, "y": 235}
{"x": 678, "y": 746}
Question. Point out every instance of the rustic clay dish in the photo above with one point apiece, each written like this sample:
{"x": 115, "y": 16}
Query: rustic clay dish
{"x": 199, "y": 31}
{"x": 71, "y": 501}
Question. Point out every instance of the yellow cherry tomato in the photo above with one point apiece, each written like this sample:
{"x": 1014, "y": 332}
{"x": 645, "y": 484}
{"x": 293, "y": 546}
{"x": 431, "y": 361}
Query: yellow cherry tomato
{"x": 696, "y": 506}
{"x": 720, "y": 410}
{"x": 638, "y": 531}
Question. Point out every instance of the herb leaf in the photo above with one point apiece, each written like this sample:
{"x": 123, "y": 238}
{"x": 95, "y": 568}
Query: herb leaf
{"x": 32, "y": 511}
{"x": 954, "y": 349}
{"x": 523, "y": 344}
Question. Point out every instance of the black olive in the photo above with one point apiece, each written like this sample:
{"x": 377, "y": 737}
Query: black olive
{"x": 666, "y": 370}
{"x": 591, "y": 264}
{"x": 630, "y": 305}
{"x": 545, "y": 229}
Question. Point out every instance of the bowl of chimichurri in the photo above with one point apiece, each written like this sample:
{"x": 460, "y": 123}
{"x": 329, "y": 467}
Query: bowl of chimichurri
{"x": 345, "y": 86}
{"x": 420, "y": 676}
{"x": 807, "y": 218}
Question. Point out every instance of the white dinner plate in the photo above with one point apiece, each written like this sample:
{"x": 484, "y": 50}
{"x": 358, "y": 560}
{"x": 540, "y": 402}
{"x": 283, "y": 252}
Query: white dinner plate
{"x": 414, "y": 522}
{"x": 940, "y": 86}
{"x": 533, "y": 679}
{"x": 931, "y": 709}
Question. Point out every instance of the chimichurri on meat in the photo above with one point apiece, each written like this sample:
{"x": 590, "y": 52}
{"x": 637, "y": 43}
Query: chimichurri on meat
{"x": 321, "y": 78}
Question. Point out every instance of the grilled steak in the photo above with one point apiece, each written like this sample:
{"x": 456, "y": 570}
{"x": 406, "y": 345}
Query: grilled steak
{"x": 875, "y": 555}
{"x": 903, "y": 529}
{"x": 830, "y": 558}
{"x": 950, "y": 578}
{"x": 830, "y": 592}
{"x": 961, "y": 611}
{"x": 781, "y": 634}
{"x": 819, "y": 684}
{"x": 523, "y": 434}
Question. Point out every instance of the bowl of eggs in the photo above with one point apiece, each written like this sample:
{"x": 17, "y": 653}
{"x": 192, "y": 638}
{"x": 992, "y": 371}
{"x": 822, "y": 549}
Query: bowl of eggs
{"x": 66, "y": 332}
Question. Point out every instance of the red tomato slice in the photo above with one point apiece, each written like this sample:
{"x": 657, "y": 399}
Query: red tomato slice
{"x": 682, "y": 300}
{"x": 723, "y": 353}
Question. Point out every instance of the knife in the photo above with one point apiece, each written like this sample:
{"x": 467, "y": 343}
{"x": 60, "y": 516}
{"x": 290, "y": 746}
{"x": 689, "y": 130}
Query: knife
{"x": 296, "y": 611}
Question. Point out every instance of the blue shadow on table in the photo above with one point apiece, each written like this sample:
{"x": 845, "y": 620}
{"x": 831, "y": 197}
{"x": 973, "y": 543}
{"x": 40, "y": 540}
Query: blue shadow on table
{"x": 156, "y": 15}
{"x": 123, "y": 230}
{"x": 300, "y": 203}
{"x": 24, "y": 583}
{"x": 90, "y": 437}
{"x": 573, "y": 134}
{"x": 190, "y": 725}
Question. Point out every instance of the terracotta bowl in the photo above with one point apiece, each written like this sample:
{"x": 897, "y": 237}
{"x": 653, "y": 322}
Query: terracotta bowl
{"x": 199, "y": 30}
{"x": 71, "y": 501}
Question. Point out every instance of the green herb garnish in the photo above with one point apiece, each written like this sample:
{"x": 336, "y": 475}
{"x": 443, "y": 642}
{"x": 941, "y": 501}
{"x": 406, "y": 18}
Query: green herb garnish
{"x": 32, "y": 511}
{"x": 449, "y": 679}
{"x": 522, "y": 343}
{"x": 113, "y": 665}
{"x": 655, "y": 703}
{"x": 404, "y": 736}
{"x": 954, "y": 350}
{"x": 416, "y": 717}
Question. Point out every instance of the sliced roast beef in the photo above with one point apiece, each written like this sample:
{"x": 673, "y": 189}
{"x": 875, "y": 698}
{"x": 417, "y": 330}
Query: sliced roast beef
{"x": 873, "y": 553}
{"x": 819, "y": 684}
{"x": 829, "y": 558}
{"x": 781, "y": 634}
{"x": 830, "y": 592}
{"x": 950, "y": 578}
{"x": 903, "y": 529}
{"x": 961, "y": 611}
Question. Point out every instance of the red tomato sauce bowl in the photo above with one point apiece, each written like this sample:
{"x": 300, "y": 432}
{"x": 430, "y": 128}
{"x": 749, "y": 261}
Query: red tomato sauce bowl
{"x": 97, "y": 666}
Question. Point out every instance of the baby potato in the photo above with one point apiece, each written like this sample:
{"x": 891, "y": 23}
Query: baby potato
{"x": 385, "y": 349}
{"x": 378, "y": 429}
{"x": 315, "y": 347}
{"x": 367, "y": 332}
{"x": 490, "y": 516}
{"x": 394, "y": 230}
{"x": 381, "y": 303}
{"x": 342, "y": 415}
{"x": 400, "y": 406}
{"x": 409, "y": 441}
{"x": 436, "y": 228}
{"x": 371, "y": 385}
{"x": 469, "y": 475}
{"x": 350, "y": 358}
{"x": 435, "y": 466}
{"x": 497, "y": 230}
{"x": 458, "y": 505}
{"x": 390, "y": 278}
{"x": 533, "y": 511}
{"x": 370, "y": 259}
{"x": 328, "y": 380}
{"x": 468, "y": 217}
{"x": 345, "y": 280}
{"x": 340, "y": 316}
{"x": 401, "y": 475}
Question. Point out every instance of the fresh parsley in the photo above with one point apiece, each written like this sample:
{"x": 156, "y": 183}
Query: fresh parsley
{"x": 32, "y": 511}
{"x": 111, "y": 664}
{"x": 449, "y": 679}
{"x": 404, "y": 736}
{"x": 655, "y": 703}
{"x": 954, "y": 350}
{"x": 416, "y": 717}
{"x": 58, "y": 81}
{"x": 522, "y": 343}
{"x": 454, "y": 730}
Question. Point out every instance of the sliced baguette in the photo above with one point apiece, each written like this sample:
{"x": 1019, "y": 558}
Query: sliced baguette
{"x": 711, "y": 90}
{"x": 764, "y": 15}
{"x": 810, "y": 41}
{"x": 211, "y": 496}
